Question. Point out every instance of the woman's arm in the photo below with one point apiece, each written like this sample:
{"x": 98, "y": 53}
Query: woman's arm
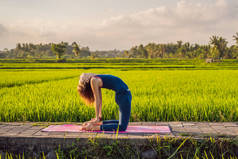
{"x": 95, "y": 85}
{"x": 100, "y": 106}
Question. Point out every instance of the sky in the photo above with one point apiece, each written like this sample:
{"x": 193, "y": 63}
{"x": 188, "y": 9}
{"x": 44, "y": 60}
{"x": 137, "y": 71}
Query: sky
{"x": 111, "y": 24}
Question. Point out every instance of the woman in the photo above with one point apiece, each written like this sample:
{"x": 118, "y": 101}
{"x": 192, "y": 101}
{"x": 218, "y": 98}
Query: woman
{"x": 89, "y": 89}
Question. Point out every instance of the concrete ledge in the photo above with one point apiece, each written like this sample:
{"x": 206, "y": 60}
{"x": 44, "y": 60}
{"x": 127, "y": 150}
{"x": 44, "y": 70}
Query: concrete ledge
{"x": 27, "y": 136}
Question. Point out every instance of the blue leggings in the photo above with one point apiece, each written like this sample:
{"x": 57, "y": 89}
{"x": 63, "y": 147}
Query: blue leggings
{"x": 123, "y": 99}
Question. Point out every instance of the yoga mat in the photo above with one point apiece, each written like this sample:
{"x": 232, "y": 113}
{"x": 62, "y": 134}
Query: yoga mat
{"x": 130, "y": 129}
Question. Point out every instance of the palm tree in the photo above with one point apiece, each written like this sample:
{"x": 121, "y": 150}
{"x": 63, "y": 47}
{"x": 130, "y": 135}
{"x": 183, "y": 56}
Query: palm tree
{"x": 58, "y": 49}
{"x": 142, "y": 51}
{"x": 179, "y": 43}
{"x": 150, "y": 48}
{"x": 76, "y": 49}
{"x": 18, "y": 46}
{"x": 220, "y": 43}
{"x": 236, "y": 38}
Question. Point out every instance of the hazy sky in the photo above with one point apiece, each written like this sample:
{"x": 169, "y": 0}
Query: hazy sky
{"x": 109, "y": 24}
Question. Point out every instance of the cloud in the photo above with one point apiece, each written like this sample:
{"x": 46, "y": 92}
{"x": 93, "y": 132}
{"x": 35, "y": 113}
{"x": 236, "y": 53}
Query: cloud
{"x": 187, "y": 20}
{"x": 26, "y": 32}
{"x": 3, "y": 30}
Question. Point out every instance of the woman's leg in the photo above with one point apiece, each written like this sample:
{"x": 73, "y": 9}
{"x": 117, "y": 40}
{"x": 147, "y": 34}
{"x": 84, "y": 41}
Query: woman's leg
{"x": 110, "y": 121}
{"x": 124, "y": 102}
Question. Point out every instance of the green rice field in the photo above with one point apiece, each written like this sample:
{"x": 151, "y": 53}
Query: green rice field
{"x": 47, "y": 93}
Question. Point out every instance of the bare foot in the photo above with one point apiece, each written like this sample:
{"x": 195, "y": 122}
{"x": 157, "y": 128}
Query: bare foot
{"x": 87, "y": 122}
{"x": 91, "y": 127}
{"x": 93, "y": 120}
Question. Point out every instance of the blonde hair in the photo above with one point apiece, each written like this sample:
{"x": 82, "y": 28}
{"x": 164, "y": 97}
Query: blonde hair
{"x": 84, "y": 88}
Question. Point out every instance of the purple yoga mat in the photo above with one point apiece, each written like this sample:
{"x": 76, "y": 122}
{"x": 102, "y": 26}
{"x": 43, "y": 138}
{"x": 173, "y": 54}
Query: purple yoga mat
{"x": 130, "y": 129}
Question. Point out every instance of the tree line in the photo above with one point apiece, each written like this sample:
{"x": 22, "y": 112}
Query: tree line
{"x": 216, "y": 49}
{"x": 50, "y": 50}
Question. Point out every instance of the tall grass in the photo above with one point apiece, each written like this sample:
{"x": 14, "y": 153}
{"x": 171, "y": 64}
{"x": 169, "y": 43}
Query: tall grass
{"x": 158, "y": 95}
{"x": 10, "y": 78}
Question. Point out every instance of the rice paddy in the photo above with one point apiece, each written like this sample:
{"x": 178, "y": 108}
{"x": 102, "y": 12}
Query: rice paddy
{"x": 158, "y": 95}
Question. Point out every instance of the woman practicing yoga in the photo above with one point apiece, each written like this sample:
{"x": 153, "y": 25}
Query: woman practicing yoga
{"x": 89, "y": 89}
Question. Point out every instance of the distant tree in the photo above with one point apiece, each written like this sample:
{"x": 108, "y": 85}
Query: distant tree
{"x": 85, "y": 51}
{"x": 150, "y": 49}
{"x": 161, "y": 50}
{"x": 187, "y": 46}
{"x": 126, "y": 53}
{"x": 217, "y": 48}
{"x": 236, "y": 38}
{"x": 180, "y": 52}
{"x": 179, "y": 43}
{"x": 58, "y": 49}
{"x": 153, "y": 50}
{"x": 233, "y": 50}
{"x": 204, "y": 51}
{"x": 142, "y": 51}
{"x": 214, "y": 52}
{"x": 170, "y": 49}
{"x": 133, "y": 52}
{"x": 18, "y": 46}
{"x": 76, "y": 49}
{"x": 3, "y": 54}
{"x": 220, "y": 43}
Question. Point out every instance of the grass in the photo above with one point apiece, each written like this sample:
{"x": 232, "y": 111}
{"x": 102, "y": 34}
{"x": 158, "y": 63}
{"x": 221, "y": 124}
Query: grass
{"x": 158, "y": 95}
{"x": 117, "y": 63}
{"x": 11, "y": 78}
{"x": 163, "y": 147}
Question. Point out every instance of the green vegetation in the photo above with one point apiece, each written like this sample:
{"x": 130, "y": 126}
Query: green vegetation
{"x": 162, "y": 90}
{"x": 76, "y": 49}
{"x": 217, "y": 49}
{"x": 119, "y": 63}
{"x": 58, "y": 49}
{"x": 17, "y": 78}
{"x": 190, "y": 92}
{"x": 162, "y": 147}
